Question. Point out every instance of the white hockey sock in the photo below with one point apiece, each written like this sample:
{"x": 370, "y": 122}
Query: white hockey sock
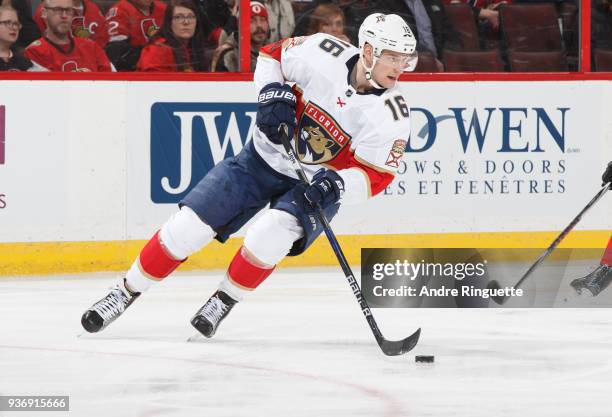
{"x": 135, "y": 281}
{"x": 232, "y": 290}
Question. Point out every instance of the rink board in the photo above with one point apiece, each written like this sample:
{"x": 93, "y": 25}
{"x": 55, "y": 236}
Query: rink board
{"x": 89, "y": 169}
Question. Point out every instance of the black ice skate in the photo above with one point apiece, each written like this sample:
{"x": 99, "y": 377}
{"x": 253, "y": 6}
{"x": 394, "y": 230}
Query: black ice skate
{"x": 208, "y": 318}
{"x": 105, "y": 311}
{"x": 595, "y": 282}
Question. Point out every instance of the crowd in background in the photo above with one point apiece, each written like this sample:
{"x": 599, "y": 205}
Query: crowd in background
{"x": 203, "y": 35}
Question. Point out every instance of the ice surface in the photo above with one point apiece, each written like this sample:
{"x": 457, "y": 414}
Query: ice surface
{"x": 298, "y": 346}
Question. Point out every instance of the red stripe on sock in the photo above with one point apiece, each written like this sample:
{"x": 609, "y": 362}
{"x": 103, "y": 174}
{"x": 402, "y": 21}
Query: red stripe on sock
{"x": 607, "y": 256}
{"x": 245, "y": 273}
{"x": 156, "y": 261}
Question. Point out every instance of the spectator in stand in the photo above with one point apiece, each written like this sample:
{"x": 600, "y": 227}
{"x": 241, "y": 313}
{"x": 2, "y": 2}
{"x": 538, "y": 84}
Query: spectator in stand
{"x": 426, "y": 19}
{"x": 226, "y": 56}
{"x": 179, "y": 45}
{"x": 327, "y": 18}
{"x": 601, "y": 24}
{"x": 219, "y": 34}
{"x": 444, "y": 34}
{"x": 280, "y": 19}
{"x": 433, "y": 29}
{"x": 88, "y": 22}
{"x": 57, "y": 50}
{"x": 10, "y": 58}
{"x": 217, "y": 15}
{"x": 423, "y": 16}
{"x": 29, "y": 31}
{"x": 131, "y": 23}
{"x": 484, "y": 10}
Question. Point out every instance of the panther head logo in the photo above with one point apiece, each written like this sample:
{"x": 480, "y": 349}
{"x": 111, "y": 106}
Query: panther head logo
{"x": 319, "y": 144}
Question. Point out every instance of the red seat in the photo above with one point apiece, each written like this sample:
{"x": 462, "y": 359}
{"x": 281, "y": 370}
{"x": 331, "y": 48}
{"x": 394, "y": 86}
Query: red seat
{"x": 548, "y": 61}
{"x": 603, "y": 60}
{"x": 462, "y": 20}
{"x": 475, "y": 61}
{"x": 426, "y": 62}
{"x": 531, "y": 27}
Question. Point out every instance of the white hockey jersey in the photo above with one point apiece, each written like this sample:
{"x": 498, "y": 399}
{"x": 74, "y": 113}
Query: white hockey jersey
{"x": 360, "y": 135}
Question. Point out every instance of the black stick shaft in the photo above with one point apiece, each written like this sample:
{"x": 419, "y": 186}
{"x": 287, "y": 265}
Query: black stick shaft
{"x": 365, "y": 308}
{"x": 389, "y": 348}
{"x": 563, "y": 234}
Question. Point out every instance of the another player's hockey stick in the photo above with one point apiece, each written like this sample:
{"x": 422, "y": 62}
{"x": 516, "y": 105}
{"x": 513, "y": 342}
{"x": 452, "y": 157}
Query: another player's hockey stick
{"x": 389, "y": 347}
{"x": 494, "y": 285}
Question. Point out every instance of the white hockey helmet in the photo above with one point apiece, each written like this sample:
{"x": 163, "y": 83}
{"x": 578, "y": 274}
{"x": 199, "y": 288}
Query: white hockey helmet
{"x": 387, "y": 32}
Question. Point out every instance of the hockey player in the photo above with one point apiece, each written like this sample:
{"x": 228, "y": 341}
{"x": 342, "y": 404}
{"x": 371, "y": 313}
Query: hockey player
{"x": 600, "y": 278}
{"x": 351, "y": 131}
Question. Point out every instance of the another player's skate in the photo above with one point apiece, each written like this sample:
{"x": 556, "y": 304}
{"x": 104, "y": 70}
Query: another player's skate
{"x": 105, "y": 311}
{"x": 595, "y": 282}
{"x": 208, "y": 318}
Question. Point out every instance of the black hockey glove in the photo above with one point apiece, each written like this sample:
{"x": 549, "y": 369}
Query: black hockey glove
{"x": 607, "y": 175}
{"x": 325, "y": 189}
{"x": 276, "y": 105}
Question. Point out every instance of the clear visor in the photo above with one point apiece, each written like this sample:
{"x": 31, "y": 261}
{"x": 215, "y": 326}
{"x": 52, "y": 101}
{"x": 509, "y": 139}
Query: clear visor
{"x": 403, "y": 62}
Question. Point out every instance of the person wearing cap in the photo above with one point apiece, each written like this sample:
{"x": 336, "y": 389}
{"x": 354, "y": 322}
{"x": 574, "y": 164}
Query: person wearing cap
{"x": 226, "y": 57}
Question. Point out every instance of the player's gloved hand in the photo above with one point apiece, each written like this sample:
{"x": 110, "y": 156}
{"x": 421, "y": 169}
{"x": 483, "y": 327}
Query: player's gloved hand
{"x": 607, "y": 175}
{"x": 325, "y": 189}
{"x": 276, "y": 105}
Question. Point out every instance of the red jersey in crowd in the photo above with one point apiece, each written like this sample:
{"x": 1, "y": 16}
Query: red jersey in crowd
{"x": 80, "y": 55}
{"x": 480, "y": 4}
{"x": 159, "y": 56}
{"x": 87, "y": 23}
{"x": 126, "y": 21}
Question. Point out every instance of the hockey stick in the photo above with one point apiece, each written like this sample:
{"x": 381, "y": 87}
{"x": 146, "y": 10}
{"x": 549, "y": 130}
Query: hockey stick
{"x": 494, "y": 285}
{"x": 389, "y": 347}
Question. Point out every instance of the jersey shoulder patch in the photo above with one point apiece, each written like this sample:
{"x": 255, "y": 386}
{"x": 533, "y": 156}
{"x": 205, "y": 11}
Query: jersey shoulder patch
{"x": 35, "y": 44}
{"x": 292, "y": 42}
{"x": 398, "y": 147}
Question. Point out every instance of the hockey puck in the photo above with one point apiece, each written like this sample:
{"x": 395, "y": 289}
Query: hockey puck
{"x": 424, "y": 359}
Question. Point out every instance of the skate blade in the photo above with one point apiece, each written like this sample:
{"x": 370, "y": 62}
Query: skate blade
{"x": 195, "y": 338}
{"x": 585, "y": 293}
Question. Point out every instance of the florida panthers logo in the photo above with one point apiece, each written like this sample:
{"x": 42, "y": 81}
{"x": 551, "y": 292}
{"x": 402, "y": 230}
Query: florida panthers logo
{"x": 149, "y": 27}
{"x": 320, "y": 139}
